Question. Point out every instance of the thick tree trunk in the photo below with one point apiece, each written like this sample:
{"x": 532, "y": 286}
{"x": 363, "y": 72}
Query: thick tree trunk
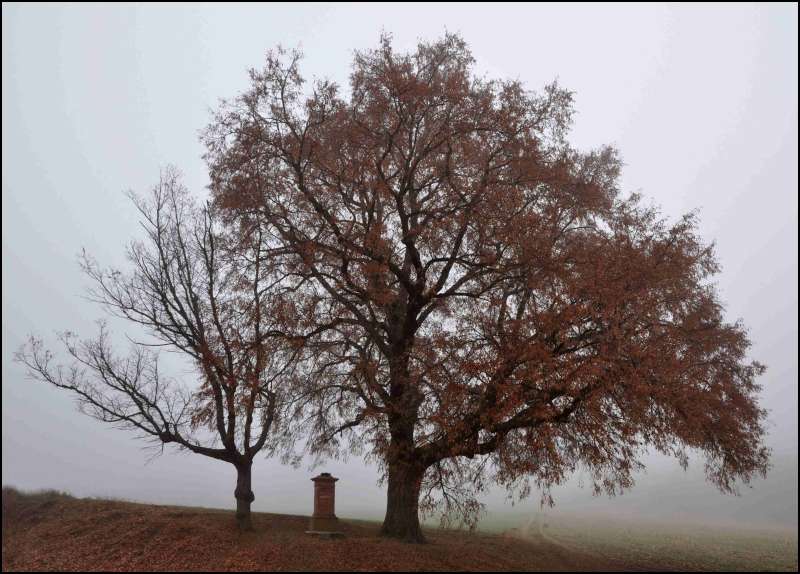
{"x": 402, "y": 503}
{"x": 244, "y": 495}
{"x": 405, "y": 470}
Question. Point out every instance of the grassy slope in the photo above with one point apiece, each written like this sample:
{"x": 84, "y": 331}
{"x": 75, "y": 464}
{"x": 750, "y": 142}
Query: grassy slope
{"x": 52, "y": 531}
{"x": 684, "y": 547}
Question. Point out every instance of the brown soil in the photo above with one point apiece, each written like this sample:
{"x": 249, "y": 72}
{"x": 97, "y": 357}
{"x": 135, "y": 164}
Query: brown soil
{"x": 51, "y": 531}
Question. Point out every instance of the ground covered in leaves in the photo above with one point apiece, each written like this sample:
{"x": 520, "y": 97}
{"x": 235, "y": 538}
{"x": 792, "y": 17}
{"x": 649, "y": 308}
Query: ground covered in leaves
{"x": 52, "y": 531}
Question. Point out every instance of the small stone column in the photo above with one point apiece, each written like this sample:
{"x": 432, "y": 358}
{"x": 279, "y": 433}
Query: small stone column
{"x": 324, "y": 517}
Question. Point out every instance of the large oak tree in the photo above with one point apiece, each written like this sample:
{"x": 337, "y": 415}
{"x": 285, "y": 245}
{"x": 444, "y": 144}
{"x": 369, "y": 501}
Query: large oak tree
{"x": 214, "y": 298}
{"x": 502, "y": 311}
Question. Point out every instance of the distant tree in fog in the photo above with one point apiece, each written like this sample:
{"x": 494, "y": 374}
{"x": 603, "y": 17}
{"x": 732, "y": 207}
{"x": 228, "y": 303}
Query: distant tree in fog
{"x": 211, "y": 295}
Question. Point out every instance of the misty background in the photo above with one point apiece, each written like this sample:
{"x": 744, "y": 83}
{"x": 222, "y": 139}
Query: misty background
{"x": 700, "y": 100}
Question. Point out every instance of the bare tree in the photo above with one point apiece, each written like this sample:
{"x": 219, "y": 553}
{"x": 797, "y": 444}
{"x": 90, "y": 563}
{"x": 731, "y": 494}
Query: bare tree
{"x": 209, "y": 295}
{"x": 503, "y": 312}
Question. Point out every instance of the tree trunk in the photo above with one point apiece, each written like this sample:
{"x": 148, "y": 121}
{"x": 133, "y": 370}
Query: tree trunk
{"x": 244, "y": 495}
{"x": 402, "y": 503}
{"x": 405, "y": 471}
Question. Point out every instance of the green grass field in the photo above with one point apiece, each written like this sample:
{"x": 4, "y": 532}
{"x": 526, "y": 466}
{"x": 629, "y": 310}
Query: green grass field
{"x": 670, "y": 546}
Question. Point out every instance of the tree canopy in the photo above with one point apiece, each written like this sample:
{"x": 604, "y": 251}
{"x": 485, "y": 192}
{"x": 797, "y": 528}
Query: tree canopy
{"x": 498, "y": 309}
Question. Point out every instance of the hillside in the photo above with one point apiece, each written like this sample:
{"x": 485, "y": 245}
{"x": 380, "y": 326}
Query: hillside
{"x": 52, "y": 531}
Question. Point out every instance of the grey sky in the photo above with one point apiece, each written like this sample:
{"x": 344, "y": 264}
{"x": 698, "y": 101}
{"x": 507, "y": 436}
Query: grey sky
{"x": 701, "y": 101}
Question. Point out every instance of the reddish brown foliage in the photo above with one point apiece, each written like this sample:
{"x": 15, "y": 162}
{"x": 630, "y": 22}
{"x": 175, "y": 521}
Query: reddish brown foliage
{"x": 496, "y": 309}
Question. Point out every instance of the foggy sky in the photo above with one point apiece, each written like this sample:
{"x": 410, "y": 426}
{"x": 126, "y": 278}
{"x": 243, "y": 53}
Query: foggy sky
{"x": 701, "y": 101}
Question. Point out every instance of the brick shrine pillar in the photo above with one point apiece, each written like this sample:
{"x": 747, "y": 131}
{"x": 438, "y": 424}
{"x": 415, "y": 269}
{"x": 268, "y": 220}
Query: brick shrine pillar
{"x": 324, "y": 517}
